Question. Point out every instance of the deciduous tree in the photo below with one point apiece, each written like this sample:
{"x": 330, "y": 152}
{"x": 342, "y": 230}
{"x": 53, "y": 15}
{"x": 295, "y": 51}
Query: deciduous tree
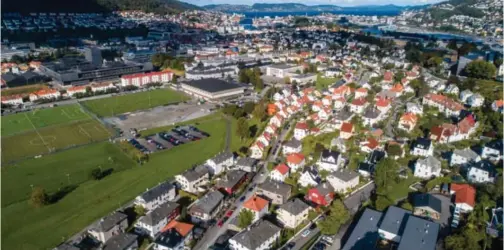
{"x": 245, "y": 218}
{"x": 38, "y": 197}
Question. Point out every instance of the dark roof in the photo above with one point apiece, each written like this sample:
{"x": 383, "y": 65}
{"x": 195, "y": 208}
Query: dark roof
{"x": 246, "y": 162}
{"x": 371, "y": 112}
{"x": 422, "y": 143}
{"x": 66, "y": 246}
{"x": 294, "y": 206}
{"x": 485, "y": 165}
{"x": 213, "y": 85}
{"x": 258, "y": 233}
{"x": 208, "y": 203}
{"x": 223, "y": 240}
{"x": 276, "y": 187}
{"x": 313, "y": 172}
{"x": 231, "y": 179}
{"x": 419, "y": 234}
{"x": 345, "y": 174}
{"x": 157, "y": 191}
{"x": 367, "y": 167}
{"x": 109, "y": 221}
{"x": 221, "y": 157}
{"x": 495, "y": 145}
{"x": 282, "y": 66}
{"x": 394, "y": 220}
{"x": 375, "y": 156}
{"x": 120, "y": 242}
{"x": 169, "y": 238}
{"x": 343, "y": 115}
{"x": 155, "y": 216}
{"x": 365, "y": 233}
{"x": 427, "y": 200}
{"x": 293, "y": 143}
{"x": 328, "y": 153}
{"x": 195, "y": 173}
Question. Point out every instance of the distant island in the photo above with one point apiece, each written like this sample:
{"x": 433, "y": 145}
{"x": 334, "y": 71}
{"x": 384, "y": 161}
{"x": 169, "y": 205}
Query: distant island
{"x": 297, "y": 7}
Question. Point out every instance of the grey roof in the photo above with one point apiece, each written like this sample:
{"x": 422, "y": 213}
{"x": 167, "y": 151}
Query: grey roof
{"x": 276, "y": 187}
{"x": 371, "y": 112}
{"x": 155, "y": 216}
{"x": 295, "y": 206}
{"x": 231, "y": 178}
{"x": 66, "y": 246}
{"x": 419, "y": 234}
{"x": 324, "y": 188}
{"x": 109, "y": 221}
{"x": 394, "y": 220}
{"x": 466, "y": 153}
{"x": 208, "y": 203}
{"x": 345, "y": 174}
{"x": 293, "y": 143}
{"x": 213, "y": 85}
{"x": 120, "y": 242}
{"x": 412, "y": 105}
{"x": 221, "y": 157}
{"x": 431, "y": 161}
{"x": 365, "y": 233}
{"x": 282, "y": 66}
{"x": 485, "y": 166}
{"x": 343, "y": 115}
{"x": 258, "y": 233}
{"x": 427, "y": 200}
{"x": 497, "y": 145}
{"x": 195, "y": 173}
{"x": 246, "y": 162}
{"x": 157, "y": 191}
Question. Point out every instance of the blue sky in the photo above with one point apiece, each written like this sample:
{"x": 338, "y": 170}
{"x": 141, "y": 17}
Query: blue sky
{"x": 314, "y": 2}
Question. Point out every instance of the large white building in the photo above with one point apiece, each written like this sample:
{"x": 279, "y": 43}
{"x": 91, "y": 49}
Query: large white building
{"x": 142, "y": 79}
{"x": 212, "y": 89}
{"x": 282, "y": 70}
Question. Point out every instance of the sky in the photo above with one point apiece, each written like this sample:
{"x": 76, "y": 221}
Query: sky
{"x": 315, "y": 2}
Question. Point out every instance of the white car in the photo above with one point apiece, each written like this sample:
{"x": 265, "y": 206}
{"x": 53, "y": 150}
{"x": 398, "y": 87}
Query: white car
{"x": 306, "y": 233}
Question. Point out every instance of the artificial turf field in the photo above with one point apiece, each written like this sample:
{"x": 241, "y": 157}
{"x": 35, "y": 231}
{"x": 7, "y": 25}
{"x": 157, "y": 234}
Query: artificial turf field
{"x": 132, "y": 102}
{"x": 46, "y": 227}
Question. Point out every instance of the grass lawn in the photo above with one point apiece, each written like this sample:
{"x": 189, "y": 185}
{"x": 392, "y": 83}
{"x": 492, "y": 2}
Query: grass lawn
{"x": 401, "y": 189}
{"x": 21, "y": 122}
{"x": 132, "y": 102}
{"x": 310, "y": 141}
{"x": 324, "y": 82}
{"x": 205, "y": 119}
{"x": 23, "y": 90}
{"x": 52, "y": 138}
{"x": 50, "y": 171}
{"x": 46, "y": 227}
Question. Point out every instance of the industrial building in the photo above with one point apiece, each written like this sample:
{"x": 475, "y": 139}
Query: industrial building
{"x": 212, "y": 89}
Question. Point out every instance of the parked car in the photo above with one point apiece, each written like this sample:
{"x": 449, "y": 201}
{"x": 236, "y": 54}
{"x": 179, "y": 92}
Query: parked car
{"x": 242, "y": 198}
{"x": 313, "y": 226}
{"x": 221, "y": 222}
{"x": 306, "y": 233}
{"x": 229, "y": 213}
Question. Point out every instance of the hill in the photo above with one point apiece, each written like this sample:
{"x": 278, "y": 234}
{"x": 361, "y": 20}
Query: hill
{"x": 87, "y": 6}
{"x": 471, "y": 8}
{"x": 297, "y": 7}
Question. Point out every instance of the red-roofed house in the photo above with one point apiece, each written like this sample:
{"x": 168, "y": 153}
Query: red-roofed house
{"x": 369, "y": 145}
{"x": 407, "y": 122}
{"x": 277, "y": 120}
{"x": 324, "y": 114}
{"x": 443, "y": 104}
{"x": 44, "y": 94}
{"x": 322, "y": 195}
{"x": 327, "y": 101}
{"x": 465, "y": 196}
{"x": 361, "y": 92}
{"x": 12, "y": 99}
{"x": 76, "y": 89}
{"x": 272, "y": 109}
{"x": 258, "y": 206}
{"x": 383, "y": 105}
{"x": 301, "y": 130}
{"x": 410, "y": 75}
{"x": 398, "y": 89}
{"x": 347, "y": 130}
{"x": 265, "y": 138}
{"x": 339, "y": 103}
{"x": 280, "y": 172}
{"x": 358, "y": 105}
{"x": 295, "y": 161}
{"x": 317, "y": 106}
{"x": 388, "y": 77}
{"x": 341, "y": 91}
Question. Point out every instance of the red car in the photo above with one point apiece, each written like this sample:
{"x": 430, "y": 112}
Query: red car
{"x": 229, "y": 213}
{"x": 220, "y": 223}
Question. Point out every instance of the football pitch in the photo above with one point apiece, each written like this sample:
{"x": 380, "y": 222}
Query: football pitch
{"x": 21, "y": 122}
{"x": 48, "y": 130}
{"x": 132, "y": 102}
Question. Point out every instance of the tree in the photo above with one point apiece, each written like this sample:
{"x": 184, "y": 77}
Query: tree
{"x": 239, "y": 112}
{"x": 287, "y": 80}
{"x": 399, "y": 76}
{"x": 385, "y": 171}
{"x": 452, "y": 44}
{"x": 230, "y": 109}
{"x": 245, "y": 218}
{"x": 382, "y": 202}
{"x": 259, "y": 111}
{"x": 406, "y": 205}
{"x": 480, "y": 69}
{"x": 139, "y": 210}
{"x": 243, "y": 77}
{"x": 248, "y": 107}
{"x": 38, "y": 197}
{"x": 242, "y": 129}
{"x": 311, "y": 124}
{"x": 96, "y": 174}
{"x": 338, "y": 215}
{"x": 394, "y": 150}
{"x": 498, "y": 62}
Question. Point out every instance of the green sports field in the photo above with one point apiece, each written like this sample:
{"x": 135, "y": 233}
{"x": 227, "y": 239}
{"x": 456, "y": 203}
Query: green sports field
{"x": 50, "y": 139}
{"x": 132, "y": 102}
{"x": 26, "y": 121}
{"x": 26, "y": 228}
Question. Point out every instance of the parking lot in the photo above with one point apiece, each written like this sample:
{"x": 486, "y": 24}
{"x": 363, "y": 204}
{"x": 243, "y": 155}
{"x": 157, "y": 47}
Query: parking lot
{"x": 168, "y": 139}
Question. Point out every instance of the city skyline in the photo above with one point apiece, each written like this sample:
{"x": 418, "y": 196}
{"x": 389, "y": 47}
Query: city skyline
{"x": 344, "y": 3}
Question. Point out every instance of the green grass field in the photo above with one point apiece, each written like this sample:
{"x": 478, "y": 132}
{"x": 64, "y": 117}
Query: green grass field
{"x": 50, "y": 171}
{"x": 26, "y": 228}
{"x": 26, "y": 121}
{"x": 49, "y": 139}
{"x": 324, "y": 82}
{"x": 128, "y": 103}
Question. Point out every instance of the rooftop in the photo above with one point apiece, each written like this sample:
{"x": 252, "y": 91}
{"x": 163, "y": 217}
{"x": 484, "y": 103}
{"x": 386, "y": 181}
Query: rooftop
{"x": 208, "y": 203}
{"x": 365, "y": 233}
{"x": 345, "y": 174}
{"x": 109, "y": 221}
{"x": 394, "y": 220}
{"x": 419, "y": 234}
{"x": 275, "y": 187}
{"x": 255, "y": 203}
{"x": 258, "y": 233}
{"x": 427, "y": 200}
{"x": 158, "y": 214}
{"x": 120, "y": 242}
{"x": 213, "y": 85}
{"x": 294, "y": 206}
{"x": 157, "y": 191}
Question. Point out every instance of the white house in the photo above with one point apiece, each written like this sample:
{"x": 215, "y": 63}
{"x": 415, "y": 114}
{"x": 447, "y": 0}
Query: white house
{"x": 358, "y": 105}
{"x": 422, "y": 147}
{"x": 109, "y": 226}
{"x": 292, "y": 146}
{"x": 258, "y": 206}
{"x": 465, "y": 196}
{"x": 463, "y": 156}
{"x": 309, "y": 177}
{"x": 259, "y": 236}
{"x": 293, "y": 213}
{"x": 427, "y": 168}
{"x": 280, "y": 173}
{"x": 282, "y": 70}
{"x": 343, "y": 180}
{"x": 295, "y": 161}
{"x": 154, "y": 221}
{"x": 465, "y": 94}
{"x": 481, "y": 172}
{"x": 492, "y": 150}
{"x": 330, "y": 160}
{"x": 12, "y": 99}
{"x": 301, "y": 130}
{"x": 156, "y": 196}
{"x": 192, "y": 179}
{"x": 220, "y": 162}
{"x": 414, "y": 108}
{"x": 476, "y": 100}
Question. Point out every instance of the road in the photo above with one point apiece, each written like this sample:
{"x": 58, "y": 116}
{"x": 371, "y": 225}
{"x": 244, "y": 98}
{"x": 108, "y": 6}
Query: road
{"x": 397, "y": 105}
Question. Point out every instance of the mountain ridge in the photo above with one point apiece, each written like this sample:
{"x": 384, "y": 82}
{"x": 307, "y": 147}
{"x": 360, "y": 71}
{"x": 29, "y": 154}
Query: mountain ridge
{"x": 293, "y": 7}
